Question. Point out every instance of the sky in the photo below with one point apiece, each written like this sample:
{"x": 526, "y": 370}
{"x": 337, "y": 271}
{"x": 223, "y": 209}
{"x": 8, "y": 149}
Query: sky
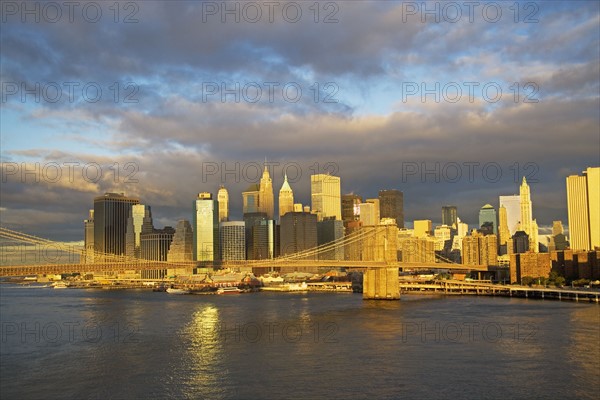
{"x": 450, "y": 102}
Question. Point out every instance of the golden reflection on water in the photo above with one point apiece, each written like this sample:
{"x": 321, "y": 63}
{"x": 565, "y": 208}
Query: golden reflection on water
{"x": 203, "y": 356}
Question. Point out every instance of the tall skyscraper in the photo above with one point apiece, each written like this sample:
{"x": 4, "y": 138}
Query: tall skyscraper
{"x": 182, "y": 247}
{"x": 223, "y": 199}
{"x": 583, "y": 203}
{"x": 110, "y": 222}
{"x": 206, "y": 228}
{"x": 449, "y": 216}
{"x": 391, "y": 205}
{"x": 350, "y": 207}
{"x": 286, "y": 198}
{"x": 233, "y": 241}
{"x": 250, "y": 199}
{"x": 154, "y": 245}
{"x": 503, "y": 231}
{"x": 325, "y": 193}
{"x": 139, "y": 221}
{"x": 266, "y": 202}
{"x": 487, "y": 213}
{"x": 528, "y": 224}
{"x": 512, "y": 205}
{"x": 298, "y": 233}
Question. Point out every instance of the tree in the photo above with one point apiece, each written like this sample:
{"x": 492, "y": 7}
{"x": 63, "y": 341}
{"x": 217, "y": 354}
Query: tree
{"x": 527, "y": 280}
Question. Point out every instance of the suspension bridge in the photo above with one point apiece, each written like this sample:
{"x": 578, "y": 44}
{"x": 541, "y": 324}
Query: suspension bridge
{"x": 372, "y": 250}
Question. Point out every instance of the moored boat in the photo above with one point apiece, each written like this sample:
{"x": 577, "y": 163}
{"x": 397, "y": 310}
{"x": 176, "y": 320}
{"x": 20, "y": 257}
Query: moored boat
{"x": 177, "y": 291}
{"x": 229, "y": 290}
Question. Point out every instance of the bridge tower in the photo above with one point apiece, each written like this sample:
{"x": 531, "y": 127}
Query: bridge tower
{"x": 381, "y": 283}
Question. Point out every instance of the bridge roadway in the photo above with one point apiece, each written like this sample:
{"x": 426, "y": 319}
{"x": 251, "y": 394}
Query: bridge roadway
{"x": 280, "y": 265}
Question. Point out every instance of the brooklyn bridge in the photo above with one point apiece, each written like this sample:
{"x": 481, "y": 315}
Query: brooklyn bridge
{"x": 370, "y": 250}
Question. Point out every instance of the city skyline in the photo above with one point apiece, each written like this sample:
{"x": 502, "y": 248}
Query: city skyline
{"x": 157, "y": 126}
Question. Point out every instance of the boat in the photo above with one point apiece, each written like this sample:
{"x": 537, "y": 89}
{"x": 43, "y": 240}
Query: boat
{"x": 60, "y": 285}
{"x": 177, "y": 291}
{"x": 229, "y": 290}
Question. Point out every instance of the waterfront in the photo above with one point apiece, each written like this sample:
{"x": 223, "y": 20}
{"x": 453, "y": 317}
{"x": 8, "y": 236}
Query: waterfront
{"x": 140, "y": 344}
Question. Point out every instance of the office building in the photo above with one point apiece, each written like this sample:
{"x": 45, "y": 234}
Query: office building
{"x": 298, "y": 232}
{"x": 479, "y": 249}
{"x": 286, "y": 198}
{"x": 367, "y": 214}
{"x": 111, "y": 212}
{"x": 233, "y": 241}
{"x": 182, "y": 246}
{"x": 223, "y": 199}
{"x": 250, "y": 198}
{"x": 206, "y": 228}
{"x": 512, "y": 206}
{"x": 391, "y": 205}
{"x": 266, "y": 202}
{"x": 449, "y": 216}
{"x": 583, "y": 203}
{"x": 487, "y": 214}
{"x": 423, "y": 228}
{"x": 139, "y": 221}
{"x": 325, "y": 193}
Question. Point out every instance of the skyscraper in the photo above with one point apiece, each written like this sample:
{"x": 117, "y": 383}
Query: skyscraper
{"x": 206, "y": 228}
{"x": 528, "y": 224}
{"x": 223, "y": 199}
{"x": 110, "y": 222}
{"x": 503, "y": 231}
{"x": 298, "y": 233}
{"x": 182, "y": 247}
{"x": 233, "y": 240}
{"x": 512, "y": 205}
{"x": 376, "y": 209}
{"x": 139, "y": 221}
{"x": 266, "y": 202}
{"x": 449, "y": 216}
{"x": 583, "y": 203}
{"x": 250, "y": 199}
{"x": 367, "y": 214}
{"x": 487, "y": 213}
{"x": 286, "y": 198}
{"x": 325, "y": 193}
{"x": 350, "y": 207}
{"x": 391, "y": 205}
